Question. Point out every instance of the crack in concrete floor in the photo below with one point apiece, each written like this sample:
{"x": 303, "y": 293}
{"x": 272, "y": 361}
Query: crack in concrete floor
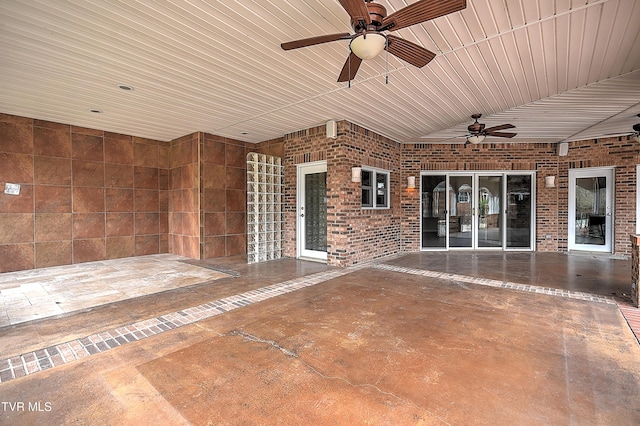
{"x": 275, "y": 345}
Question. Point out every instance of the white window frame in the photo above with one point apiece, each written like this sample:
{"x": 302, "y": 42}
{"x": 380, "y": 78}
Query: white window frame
{"x": 373, "y": 188}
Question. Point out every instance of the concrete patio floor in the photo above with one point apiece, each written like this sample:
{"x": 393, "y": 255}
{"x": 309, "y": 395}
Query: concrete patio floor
{"x": 422, "y": 338}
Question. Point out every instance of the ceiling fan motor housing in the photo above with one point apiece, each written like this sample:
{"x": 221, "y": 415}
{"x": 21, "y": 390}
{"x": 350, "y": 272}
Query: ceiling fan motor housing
{"x": 377, "y": 13}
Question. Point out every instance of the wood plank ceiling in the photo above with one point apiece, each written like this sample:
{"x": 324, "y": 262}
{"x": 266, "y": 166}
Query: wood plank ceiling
{"x": 557, "y": 69}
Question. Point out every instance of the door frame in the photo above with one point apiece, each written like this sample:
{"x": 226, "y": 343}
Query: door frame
{"x": 302, "y": 170}
{"x": 610, "y": 174}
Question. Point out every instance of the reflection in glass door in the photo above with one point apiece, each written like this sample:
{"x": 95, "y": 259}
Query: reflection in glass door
{"x": 518, "y": 221}
{"x": 461, "y": 218}
{"x": 312, "y": 211}
{"x": 489, "y": 222}
{"x": 591, "y": 209}
{"x": 434, "y": 209}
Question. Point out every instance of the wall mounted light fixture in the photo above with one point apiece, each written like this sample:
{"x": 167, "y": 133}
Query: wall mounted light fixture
{"x": 411, "y": 182}
{"x": 355, "y": 174}
{"x": 550, "y": 182}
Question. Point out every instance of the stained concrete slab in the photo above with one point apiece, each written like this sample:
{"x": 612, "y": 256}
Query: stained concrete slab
{"x": 370, "y": 347}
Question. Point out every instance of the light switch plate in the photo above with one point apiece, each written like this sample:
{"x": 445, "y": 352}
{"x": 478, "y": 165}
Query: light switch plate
{"x": 12, "y": 188}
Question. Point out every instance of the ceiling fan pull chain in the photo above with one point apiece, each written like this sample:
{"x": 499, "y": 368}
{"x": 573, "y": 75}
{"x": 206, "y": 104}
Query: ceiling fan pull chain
{"x": 386, "y": 62}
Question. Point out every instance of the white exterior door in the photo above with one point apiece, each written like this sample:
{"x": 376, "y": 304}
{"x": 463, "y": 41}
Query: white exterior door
{"x": 312, "y": 211}
{"x": 591, "y": 209}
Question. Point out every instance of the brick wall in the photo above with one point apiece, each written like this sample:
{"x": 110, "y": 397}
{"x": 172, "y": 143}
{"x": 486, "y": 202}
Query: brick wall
{"x": 353, "y": 234}
{"x": 551, "y": 203}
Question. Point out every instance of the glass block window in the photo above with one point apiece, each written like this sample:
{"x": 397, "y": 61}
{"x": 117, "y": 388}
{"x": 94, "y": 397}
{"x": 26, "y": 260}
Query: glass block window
{"x": 265, "y": 208}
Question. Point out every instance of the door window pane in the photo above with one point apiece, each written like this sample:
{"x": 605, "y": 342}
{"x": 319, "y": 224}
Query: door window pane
{"x": 489, "y": 208}
{"x": 519, "y": 211}
{"x": 591, "y": 204}
{"x": 460, "y": 218}
{"x": 316, "y": 211}
{"x": 433, "y": 212}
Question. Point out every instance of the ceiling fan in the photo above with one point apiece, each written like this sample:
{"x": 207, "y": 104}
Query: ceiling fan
{"x": 477, "y": 131}
{"x": 369, "y": 21}
{"x": 636, "y": 131}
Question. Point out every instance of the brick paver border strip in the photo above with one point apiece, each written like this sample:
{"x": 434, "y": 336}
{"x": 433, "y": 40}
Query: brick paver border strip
{"x": 64, "y": 353}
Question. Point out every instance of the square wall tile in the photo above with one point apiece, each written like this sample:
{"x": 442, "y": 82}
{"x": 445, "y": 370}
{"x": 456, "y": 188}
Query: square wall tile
{"x": 214, "y": 247}
{"x": 118, "y": 149}
{"x": 53, "y": 227}
{"x": 52, "y": 199}
{"x": 119, "y": 224}
{"x": 88, "y": 225}
{"x": 53, "y": 254}
{"x": 21, "y": 203}
{"x": 146, "y": 200}
{"x": 16, "y": 168}
{"x": 236, "y": 200}
{"x": 51, "y": 171}
{"x": 215, "y": 176}
{"x": 147, "y": 223}
{"x": 87, "y": 147}
{"x": 119, "y": 247}
{"x": 215, "y": 200}
{"x": 145, "y": 177}
{"x": 88, "y": 200}
{"x": 16, "y": 228}
{"x": 214, "y": 151}
{"x": 89, "y": 250}
{"x": 16, "y": 257}
{"x": 52, "y": 142}
{"x": 118, "y": 175}
{"x": 147, "y": 244}
{"x": 119, "y": 200}
{"x": 87, "y": 173}
{"x": 145, "y": 154}
{"x": 16, "y": 137}
{"x": 236, "y": 155}
{"x": 236, "y": 223}
{"x": 235, "y": 245}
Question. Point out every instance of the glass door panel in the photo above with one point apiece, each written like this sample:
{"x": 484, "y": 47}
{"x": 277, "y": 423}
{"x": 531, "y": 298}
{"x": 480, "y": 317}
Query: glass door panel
{"x": 315, "y": 200}
{"x": 591, "y": 209}
{"x": 489, "y": 207}
{"x": 461, "y": 211}
{"x": 518, "y": 211}
{"x": 434, "y": 206}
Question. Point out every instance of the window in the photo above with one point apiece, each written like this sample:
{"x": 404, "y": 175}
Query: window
{"x": 375, "y": 189}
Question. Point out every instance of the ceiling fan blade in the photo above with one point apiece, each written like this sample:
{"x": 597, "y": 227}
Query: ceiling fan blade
{"x": 357, "y": 9}
{"x": 421, "y": 11}
{"x": 296, "y": 44}
{"x": 501, "y": 134}
{"x": 350, "y": 68}
{"x": 416, "y": 55}
{"x": 500, "y": 127}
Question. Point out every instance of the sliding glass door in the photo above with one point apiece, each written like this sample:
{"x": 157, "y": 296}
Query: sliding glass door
{"x": 488, "y": 210}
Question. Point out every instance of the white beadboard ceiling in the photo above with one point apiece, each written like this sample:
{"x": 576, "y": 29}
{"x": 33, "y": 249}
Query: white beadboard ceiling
{"x": 557, "y": 69}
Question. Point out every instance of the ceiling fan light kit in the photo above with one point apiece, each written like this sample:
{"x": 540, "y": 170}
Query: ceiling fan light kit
{"x": 370, "y": 21}
{"x": 368, "y": 46}
{"x": 475, "y": 139}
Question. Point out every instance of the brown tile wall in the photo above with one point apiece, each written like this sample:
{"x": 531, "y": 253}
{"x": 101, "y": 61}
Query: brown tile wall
{"x": 184, "y": 201}
{"x": 354, "y": 235}
{"x": 223, "y": 188}
{"x": 86, "y": 194}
